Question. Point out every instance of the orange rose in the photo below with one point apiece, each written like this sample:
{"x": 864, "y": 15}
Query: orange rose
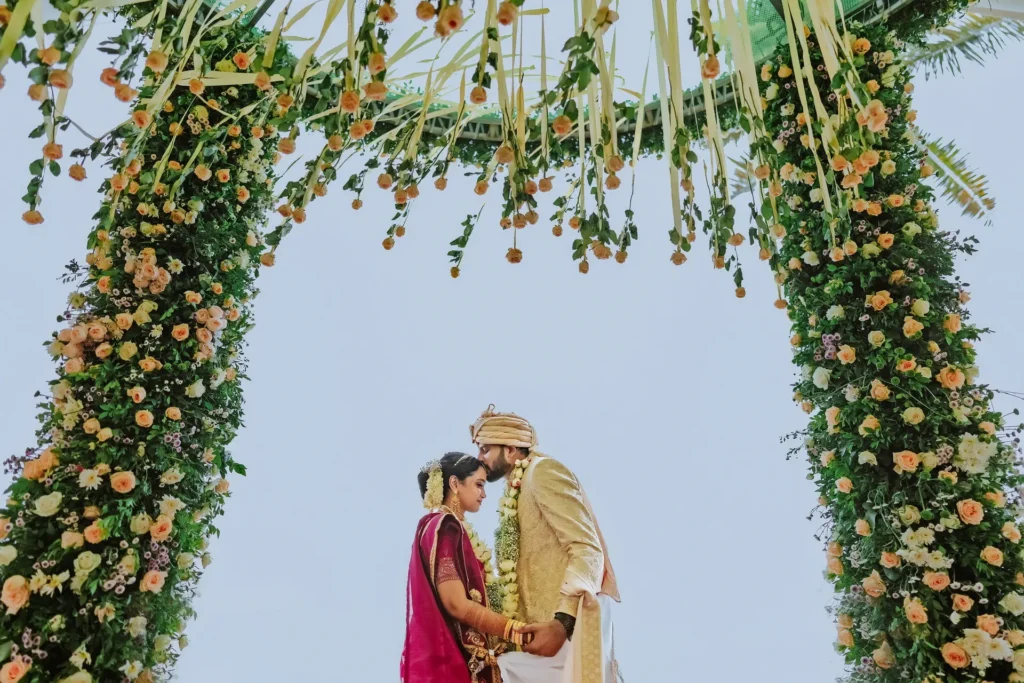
{"x": 845, "y": 638}
{"x": 962, "y": 603}
{"x": 879, "y": 391}
{"x": 869, "y": 425}
{"x": 989, "y": 623}
{"x": 173, "y": 413}
{"x": 203, "y": 172}
{"x": 109, "y": 76}
{"x": 997, "y": 498}
{"x": 60, "y": 78}
{"x": 386, "y": 13}
{"x": 223, "y": 175}
{"x": 71, "y": 539}
{"x": 153, "y": 582}
{"x": 937, "y": 581}
{"x": 955, "y": 656}
{"x": 911, "y": 326}
{"x": 952, "y": 323}
{"x": 377, "y": 63}
{"x": 879, "y": 300}
{"x": 124, "y": 482}
{"x": 862, "y": 527}
{"x": 1011, "y": 532}
{"x": 376, "y": 91}
{"x": 15, "y": 594}
{"x": 124, "y": 92}
{"x": 242, "y": 194}
{"x": 890, "y": 560}
{"x": 906, "y": 461}
{"x": 32, "y": 217}
{"x": 141, "y": 118}
{"x": 425, "y": 11}
{"x": 144, "y": 418}
{"x": 94, "y": 533}
{"x": 161, "y": 528}
{"x": 180, "y": 332}
{"x": 241, "y": 60}
{"x": 950, "y": 377}
{"x": 844, "y": 485}
{"x": 222, "y": 486}
{"x": 156, "y": 61}
{"x": 971, "y": 511}
{"x": 992, "y": 555}
{"x": 561, "y": 125}
{"x": 885, "y": 240}
{"x": 835, "y": 566}
{"x": 14, "y": 670}
{"x": 915, "y": 611}
{"x": 896, "y": 200}
{"x": 907, "y": 365}
{"x": 150, "y": 364}
{"x": 873, "y": 585}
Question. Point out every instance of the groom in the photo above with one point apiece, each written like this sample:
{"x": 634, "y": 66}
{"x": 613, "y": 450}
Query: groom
{"x": 566, "y": 582}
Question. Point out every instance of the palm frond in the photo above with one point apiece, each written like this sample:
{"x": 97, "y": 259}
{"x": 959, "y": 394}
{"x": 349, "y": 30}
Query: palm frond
{"x": 958, "y": 183}
{"x": 973, "y": 38}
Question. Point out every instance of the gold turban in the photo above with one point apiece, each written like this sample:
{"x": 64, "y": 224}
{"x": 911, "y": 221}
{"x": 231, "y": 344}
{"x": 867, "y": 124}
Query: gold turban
{"x": 503, "y": 429}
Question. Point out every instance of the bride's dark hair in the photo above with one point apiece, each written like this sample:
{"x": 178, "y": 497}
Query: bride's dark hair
{"x": 461, "y": 465}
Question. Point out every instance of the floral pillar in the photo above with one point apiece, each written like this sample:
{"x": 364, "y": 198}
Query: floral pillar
{"x": 915, "y": 476}
{"x": 105, "y": 532}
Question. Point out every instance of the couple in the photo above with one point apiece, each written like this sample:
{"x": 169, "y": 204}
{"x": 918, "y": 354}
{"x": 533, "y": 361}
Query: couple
{"x": 544, "y": 617}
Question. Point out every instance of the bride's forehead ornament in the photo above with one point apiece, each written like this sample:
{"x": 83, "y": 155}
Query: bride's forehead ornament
{"x": 503, "y": 429}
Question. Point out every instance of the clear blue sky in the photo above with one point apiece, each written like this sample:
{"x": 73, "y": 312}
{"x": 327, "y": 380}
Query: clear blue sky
{"x": 665, "y": 394}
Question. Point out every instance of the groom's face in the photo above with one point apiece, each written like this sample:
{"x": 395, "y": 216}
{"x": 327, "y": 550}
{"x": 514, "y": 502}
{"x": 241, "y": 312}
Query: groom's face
{"x": 497, "y": 461}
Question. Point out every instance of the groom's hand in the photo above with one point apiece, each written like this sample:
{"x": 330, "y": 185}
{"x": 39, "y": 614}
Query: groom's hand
{"x": 548, "y": 638}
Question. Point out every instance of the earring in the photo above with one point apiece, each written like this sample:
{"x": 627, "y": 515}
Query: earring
{"x": 456, "y": 505}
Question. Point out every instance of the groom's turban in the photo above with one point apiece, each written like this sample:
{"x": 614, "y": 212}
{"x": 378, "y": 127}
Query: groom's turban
{"x": 503, "y": 429}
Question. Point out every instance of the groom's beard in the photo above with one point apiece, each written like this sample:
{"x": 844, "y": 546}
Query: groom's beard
{"x": 500, "y": 470}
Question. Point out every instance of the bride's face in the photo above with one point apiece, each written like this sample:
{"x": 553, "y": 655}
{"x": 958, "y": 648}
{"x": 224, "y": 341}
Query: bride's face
{"x": 471, "y": 492}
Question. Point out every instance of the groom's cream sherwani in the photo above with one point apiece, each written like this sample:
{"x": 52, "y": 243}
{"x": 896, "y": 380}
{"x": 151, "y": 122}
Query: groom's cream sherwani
{"x": 563, "y": 567}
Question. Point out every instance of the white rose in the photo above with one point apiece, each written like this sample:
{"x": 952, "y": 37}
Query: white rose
{"x": 206, "y": 560}
{"x": 87, "y": 561}
{"x": 1013, "y": 603}
{"x": 821, "y": 377}
{"x": 867, "y": 458}
{"x": 911, "y": 229}
{"x": 49, "y": 505}
{"x": 924, "y": 371}
{"x": 816, "y": 195}
{"x": 771, "y": 92}
{"x": 185, "y": 560}
{"x": 137, "y": 626}
{"x": 162, "y": 642}
{"x": 779, "y": 146}
{"x": 140, "y": 523}
{"x": 196, "y": 389}
{"x": 920, "y": 307}
{"x": 171, "y": 476}
{"x": 8, "y": 553}
{"x": 852, "y": 393}
{"x": 788, "y": 109}
{"x": 811, "y": 258}
{"x": 835, "y": 313}
{"x": 870, "y": 250}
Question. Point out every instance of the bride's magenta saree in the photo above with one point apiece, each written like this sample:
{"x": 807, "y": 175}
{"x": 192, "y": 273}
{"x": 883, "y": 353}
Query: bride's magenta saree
{"x": 439, "y": 649}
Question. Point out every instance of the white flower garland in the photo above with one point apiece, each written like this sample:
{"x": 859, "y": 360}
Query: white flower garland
{"x": 507, "y": 540}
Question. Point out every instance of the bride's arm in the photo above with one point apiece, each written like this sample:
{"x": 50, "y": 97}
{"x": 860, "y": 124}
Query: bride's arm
{"x": 475, "y": 615}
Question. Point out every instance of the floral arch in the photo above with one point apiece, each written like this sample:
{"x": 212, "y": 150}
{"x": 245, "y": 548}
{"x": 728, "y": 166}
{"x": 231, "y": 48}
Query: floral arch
{"x": 104, "y": 531}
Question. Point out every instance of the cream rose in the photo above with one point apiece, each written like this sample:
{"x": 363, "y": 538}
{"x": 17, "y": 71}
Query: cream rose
{"x": 913, "y": 416}
{"x": 49, "y": 505}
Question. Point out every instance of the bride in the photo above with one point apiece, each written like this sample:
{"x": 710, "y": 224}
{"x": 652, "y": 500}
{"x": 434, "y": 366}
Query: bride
{"x": 451, "y": 635}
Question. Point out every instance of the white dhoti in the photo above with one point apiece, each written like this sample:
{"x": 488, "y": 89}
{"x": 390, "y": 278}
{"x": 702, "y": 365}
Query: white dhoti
{"x": 522, "y": 667}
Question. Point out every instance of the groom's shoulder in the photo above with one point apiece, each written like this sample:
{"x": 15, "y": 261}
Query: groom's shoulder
{"x": 545, "y": 467}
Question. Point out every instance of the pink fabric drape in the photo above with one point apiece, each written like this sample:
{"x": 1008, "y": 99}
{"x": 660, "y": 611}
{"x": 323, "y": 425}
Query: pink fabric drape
{"x": 436, "y": 646}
